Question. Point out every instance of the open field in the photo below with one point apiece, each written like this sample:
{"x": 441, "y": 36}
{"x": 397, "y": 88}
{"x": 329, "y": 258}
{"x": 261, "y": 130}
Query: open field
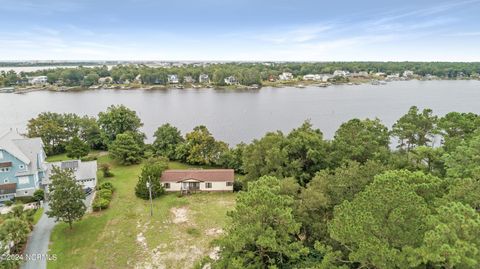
{"x": 125, "y": 236}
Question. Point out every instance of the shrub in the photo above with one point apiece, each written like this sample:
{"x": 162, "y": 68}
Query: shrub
{"x": 106, "y": 185}
{"x": 237, "y": 186}
{"x": 106, "y": 170}
{"x": 100, "y": 204}
{"x": 25, "y": 200}
{"x": 89, "y": 158}
{"x": 8, "y": 203}
{"x": 105, "y": 194}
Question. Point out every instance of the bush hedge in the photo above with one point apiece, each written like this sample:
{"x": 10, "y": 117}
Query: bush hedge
{"x": 103, "y": 196}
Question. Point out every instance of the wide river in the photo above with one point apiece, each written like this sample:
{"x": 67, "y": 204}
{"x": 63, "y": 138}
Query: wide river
{"x": 242, "y": 115}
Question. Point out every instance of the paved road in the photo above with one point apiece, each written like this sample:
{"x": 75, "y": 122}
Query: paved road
{"x": 40, "y": 237}
{"x": 38, "y": 241}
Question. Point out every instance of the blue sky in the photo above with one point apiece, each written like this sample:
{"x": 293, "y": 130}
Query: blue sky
{"x": 223, "y": 30}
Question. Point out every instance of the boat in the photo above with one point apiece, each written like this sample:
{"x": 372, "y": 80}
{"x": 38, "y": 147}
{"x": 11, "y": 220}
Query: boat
{"x": 300, "y": 86}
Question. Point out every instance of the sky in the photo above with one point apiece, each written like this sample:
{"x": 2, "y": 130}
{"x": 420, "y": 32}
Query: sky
{"x": 235, "y": 30}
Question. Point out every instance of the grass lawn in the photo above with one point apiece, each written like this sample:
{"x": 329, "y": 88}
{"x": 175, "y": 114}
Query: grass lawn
{"x": 37, "y": 215}
{"x": 125, "y": 236}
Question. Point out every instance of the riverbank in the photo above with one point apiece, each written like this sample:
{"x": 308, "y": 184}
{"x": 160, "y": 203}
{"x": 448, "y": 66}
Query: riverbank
{"x": 276, "y": 84}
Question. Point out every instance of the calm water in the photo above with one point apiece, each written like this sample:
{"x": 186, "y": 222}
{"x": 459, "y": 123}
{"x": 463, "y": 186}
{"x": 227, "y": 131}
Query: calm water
{"x": 235, "y": 116}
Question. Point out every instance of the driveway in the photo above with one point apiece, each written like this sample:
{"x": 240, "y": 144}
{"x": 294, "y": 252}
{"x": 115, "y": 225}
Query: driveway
{"x": 40, "y": 238}
{"x": 38, "y": 242}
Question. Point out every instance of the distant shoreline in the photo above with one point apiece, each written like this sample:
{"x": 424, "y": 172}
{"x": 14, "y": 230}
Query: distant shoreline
{"x": 290, "y": 84}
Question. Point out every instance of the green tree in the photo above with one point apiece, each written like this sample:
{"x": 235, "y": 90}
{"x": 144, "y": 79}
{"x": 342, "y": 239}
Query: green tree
{"x": 452, "y": 239}
{"x": 151, "y": 172}
{"x": 118, "y": 120}
{"x": 416, "y": 128}
{"x": 384, "y": 219}
{"x": 14, "y": 230}
{"x": 233, "y": 158}
{"x": 202, "y": 148}
{"x": 266, "y": 156}
{"x": 126, "y": 149}
{"x": 51, "y": 128}
{"x": 456, "y": 127}
{"x": 361, "y": 140}
{"x": 466, "y": 191}
{"x": 262, "y": 233}
{"x": 39, "y": 195}
{"x": 66, "y": 197}
{"x": 316, "y": 202}
{"x": 56, "y": 130}
{"x": 306, "y": 152}
{"x": 427, "y": 159}
{"x": 76, "y": 148}
{"x": 167, "y": 138}
{"x": 464, "y": 160}
{"x": 91, "y": 79}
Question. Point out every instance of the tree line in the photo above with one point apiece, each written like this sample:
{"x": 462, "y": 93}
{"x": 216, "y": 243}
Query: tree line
{"x": 307, "y": 202}
{"x": 245, "y": 73}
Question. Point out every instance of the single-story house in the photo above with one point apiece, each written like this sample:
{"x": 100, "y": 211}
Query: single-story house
{"x": 85, "y": 172}
{"x": 198, "y": 180}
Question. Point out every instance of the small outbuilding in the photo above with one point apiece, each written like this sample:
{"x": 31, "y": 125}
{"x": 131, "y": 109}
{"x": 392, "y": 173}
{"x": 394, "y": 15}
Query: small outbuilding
{"x": 198, "y": 180}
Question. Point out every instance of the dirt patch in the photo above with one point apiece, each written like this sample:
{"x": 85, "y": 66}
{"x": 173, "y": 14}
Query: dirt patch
{"x": 180, "y": 215}
{"x": 214, "y": 232}
{"x": 141, "y": 240}
{"x": 215, "y": 253}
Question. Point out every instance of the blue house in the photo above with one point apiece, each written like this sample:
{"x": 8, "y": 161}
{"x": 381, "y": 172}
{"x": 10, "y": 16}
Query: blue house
{"x": 22, "y": 165}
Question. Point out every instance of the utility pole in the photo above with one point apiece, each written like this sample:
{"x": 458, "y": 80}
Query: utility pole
{"x": 149, "y": 186}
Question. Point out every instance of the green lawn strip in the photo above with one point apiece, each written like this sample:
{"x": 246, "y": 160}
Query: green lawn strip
{"x": 109, "y": 239}
{"x": 37, "y": 215}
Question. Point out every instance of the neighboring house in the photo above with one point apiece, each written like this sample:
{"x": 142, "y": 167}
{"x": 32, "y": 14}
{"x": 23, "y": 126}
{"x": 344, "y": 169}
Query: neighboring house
{"x": 340, "y": 73}
{"x": 408, "y": 73}
{"x": 39, "y": 80}
{"x": 22, "y": 165}
{"x": 105, "y": 80}
{"x": 309, "y": 77}
{"x": 138, "y": 79}
{"x": 231, "y": 80}
{"x": 188, "y": 79}
{"x": 85, "y": 172}
{"x": 198, "y": 180}
{"x": 395, "y": 76}
{"x": 285, "y": 76}
{"x": 203, "y": 78}
{"x": 318, "y": 77}
{"x": 172, "y": 79}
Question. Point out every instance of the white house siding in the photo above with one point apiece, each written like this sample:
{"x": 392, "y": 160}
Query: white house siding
{"x": 25, "y": 192}
{"x": 216, "y": 186}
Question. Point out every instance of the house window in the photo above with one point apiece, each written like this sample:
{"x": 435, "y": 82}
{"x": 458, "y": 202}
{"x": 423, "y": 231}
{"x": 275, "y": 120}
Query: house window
{"x": 5, "y": 169}
{"x": 229, "y": 183}
{"x": 21, "y": 166}
{"x": 208, "y": 185}
{"x": 6, "y": 180}
{"x": 26, "y": 192}
{"x": 166, "y": 185}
